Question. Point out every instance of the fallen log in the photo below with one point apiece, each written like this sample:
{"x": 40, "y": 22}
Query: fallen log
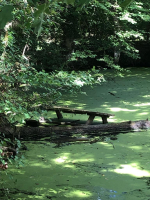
{"x": 114, "y": 128}
{"x": 101, "y": 129}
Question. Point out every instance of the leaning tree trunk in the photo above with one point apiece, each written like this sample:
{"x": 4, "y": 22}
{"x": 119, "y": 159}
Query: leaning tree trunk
{"x": 117, "y": 28}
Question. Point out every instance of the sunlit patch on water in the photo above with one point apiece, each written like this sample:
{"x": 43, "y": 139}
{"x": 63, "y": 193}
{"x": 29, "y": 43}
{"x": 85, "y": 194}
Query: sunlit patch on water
{"x": 132, "y": 170}
{"x": 122, "y": 109}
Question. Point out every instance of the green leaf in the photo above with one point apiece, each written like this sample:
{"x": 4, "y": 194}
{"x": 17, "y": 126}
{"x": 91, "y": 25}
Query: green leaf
{"x": 69, "y": 2}
{"x": 82, "y": 2}
{"x": 32, "y": 2}
{"x": 38, "y": 26}
{"x": 39, "y": 18}
{"x": 5, "y": 15}
{"x": 3, "y": 162}
{"x": 40, "y": 10}
{"x": 125, "y": 4}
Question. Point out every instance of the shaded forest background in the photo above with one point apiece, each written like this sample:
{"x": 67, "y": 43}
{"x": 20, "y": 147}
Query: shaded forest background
{"x": 71, "y": 37}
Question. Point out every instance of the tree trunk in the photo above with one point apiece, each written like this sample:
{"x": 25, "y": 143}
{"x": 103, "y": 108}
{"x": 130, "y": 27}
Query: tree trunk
{"x": 38, "y": 132}
{"x": 117, "y": 29}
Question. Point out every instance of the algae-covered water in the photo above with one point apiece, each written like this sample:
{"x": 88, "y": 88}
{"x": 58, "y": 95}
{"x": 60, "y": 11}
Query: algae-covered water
{"x": 110, "y": 169}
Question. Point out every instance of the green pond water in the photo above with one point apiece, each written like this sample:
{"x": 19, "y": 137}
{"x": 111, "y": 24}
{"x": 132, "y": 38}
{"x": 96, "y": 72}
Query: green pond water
{"x": 111, "y": 169}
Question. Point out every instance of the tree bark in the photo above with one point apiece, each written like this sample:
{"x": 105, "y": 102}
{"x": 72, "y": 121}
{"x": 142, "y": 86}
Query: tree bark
{"x": 102, "y": 129}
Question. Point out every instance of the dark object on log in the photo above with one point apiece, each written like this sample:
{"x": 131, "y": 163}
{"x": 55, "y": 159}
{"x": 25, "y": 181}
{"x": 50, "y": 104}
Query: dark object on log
{"x": 32, "y": 122}
{"x": 91, "y": 114}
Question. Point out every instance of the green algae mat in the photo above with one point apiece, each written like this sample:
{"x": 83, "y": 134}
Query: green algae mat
{"x": 111, "y": 169}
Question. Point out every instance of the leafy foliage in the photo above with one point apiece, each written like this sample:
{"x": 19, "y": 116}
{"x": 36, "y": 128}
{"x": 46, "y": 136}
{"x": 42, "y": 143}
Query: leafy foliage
{"x": 28, "y": 89}
{"x": 5, "y": 15}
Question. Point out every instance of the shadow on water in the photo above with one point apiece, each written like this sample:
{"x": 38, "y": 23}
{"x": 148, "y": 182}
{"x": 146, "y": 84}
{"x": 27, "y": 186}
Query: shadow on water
{"x": 130, "y": 99}
{"x": 109, "y": 169}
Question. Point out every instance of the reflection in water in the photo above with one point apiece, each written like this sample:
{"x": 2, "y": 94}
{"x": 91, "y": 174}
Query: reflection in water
{"x": 106, "y": 194}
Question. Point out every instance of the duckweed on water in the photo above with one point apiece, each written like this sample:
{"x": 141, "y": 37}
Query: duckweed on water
{"x": 108, "y": 169}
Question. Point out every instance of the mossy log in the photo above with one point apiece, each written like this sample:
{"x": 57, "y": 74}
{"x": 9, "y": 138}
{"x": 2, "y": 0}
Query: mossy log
{"x": 114, "y": 128}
